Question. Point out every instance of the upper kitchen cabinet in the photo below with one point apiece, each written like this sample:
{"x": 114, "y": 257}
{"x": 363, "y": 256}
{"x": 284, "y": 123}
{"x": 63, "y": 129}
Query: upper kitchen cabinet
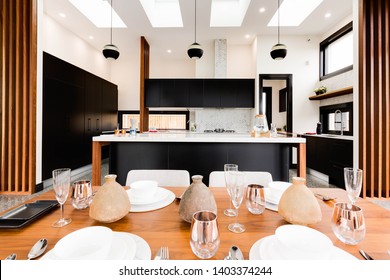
{"x": 77, "y": 105}
{"x": 195, "y": 93}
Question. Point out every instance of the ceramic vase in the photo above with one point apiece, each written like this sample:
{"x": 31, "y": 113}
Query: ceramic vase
{"x": 196, "y": 198}
{"x": 298, "y": 205}
{"x": 111, "y": 202}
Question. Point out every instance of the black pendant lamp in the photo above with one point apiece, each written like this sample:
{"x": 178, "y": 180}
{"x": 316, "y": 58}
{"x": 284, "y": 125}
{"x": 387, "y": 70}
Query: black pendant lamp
{"x": 111, "y": 51}
{"x": 278, "y": 51}
{"x": 195, "y": 51}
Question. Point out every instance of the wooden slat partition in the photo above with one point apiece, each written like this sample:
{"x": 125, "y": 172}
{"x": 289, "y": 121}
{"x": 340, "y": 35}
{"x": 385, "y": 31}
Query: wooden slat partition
{"x": 144, "y": 74}
{"x": 18, "y": 39}
{"x": 374, "y": 97}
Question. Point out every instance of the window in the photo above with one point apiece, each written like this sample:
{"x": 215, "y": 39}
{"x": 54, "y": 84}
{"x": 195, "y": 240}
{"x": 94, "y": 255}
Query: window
{"x": 334, "y": 116}
{"x": 166, "y": 120}
{"x": 336, "y": 53}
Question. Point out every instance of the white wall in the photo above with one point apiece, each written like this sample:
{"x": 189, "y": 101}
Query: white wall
{"x": 240, "y": 61}
{"x": 302, "y": 62}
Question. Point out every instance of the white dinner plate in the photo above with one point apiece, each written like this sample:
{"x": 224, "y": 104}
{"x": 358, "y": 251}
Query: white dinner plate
{"x": 271, "y": 206}
{"x": 136, "y": 248}
{"x": 255, "y": 252}
{"x": 159, "y": 195}
{"x": 154, "y": 206}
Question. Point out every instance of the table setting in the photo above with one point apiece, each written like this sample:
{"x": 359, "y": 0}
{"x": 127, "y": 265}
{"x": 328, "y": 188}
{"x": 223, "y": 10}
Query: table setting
{"x": 154, "y": 221}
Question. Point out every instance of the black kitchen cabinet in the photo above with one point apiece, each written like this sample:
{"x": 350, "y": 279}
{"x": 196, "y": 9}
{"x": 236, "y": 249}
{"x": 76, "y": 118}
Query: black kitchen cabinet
{"x": 152, "y": 92}
{"x": 195, "y": 93}
{"x": 210, "y": 93}
{"x": 77, "y": 105}
{"x": 329, "y": 156}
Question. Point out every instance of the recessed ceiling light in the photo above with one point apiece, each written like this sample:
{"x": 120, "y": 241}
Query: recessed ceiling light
{"x": 169, "y": 51}
{"x": 294, "y": 12}
{"x": 328, "y": 15}
{"x": 91, "y": 37}
{"x": 163, "y": 13}
{"x": 228, "y": 12}
{"x": 99, "y": 13}
{"x": 262, "y": 10}
{"x": 247, "y": 36}
{"x": 62, "y": 15}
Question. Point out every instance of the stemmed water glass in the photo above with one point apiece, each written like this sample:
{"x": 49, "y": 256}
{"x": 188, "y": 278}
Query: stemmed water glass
{"x": 237, "y": 190}
{"x": 353, "y": 183}
{"x": 229, "y": 170}
{"x": 61, "y": 184}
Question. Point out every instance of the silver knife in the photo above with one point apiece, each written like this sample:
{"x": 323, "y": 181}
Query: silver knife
{"x": 158, "y": 255}
{"x": 365, "y": 255}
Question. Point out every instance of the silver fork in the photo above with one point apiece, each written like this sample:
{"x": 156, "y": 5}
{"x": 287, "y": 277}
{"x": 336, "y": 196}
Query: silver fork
{"x": 164, "y": 253}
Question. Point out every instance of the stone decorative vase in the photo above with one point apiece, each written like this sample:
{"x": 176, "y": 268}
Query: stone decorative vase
{"x": 298, "y": 204}
{"x": 111, "y": 202}
{"x": 197, "y": 197}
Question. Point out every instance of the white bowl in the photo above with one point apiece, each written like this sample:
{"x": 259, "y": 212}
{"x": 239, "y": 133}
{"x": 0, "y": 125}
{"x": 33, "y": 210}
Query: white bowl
{"x": 143, "y": 190}
{"x": 301, "y": 242}
{"x": 90, "y": 243}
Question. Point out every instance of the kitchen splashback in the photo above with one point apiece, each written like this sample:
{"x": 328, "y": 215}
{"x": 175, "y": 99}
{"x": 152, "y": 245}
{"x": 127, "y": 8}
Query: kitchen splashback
{"x": 240, "y": 120}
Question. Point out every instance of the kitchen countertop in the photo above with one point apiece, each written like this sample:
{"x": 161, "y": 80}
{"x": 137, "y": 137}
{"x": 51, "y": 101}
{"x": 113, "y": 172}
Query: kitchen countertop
{"x": 196, "y": 137}
{"x": 334, "y": 136}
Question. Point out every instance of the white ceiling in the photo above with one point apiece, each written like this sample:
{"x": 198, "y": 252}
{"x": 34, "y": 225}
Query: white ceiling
{"x": 178, "y": 39}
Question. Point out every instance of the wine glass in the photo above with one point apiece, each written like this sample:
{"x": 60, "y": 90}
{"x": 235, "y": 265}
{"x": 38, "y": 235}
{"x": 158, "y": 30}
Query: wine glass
{"x": 204, "y": 239}
{"x": 237, "y": 190}
{"x": 61, "y": 184}
{"x": 348, "y": 223}
{"x": 229, "y": 169}
{"x": 353, "y": 183}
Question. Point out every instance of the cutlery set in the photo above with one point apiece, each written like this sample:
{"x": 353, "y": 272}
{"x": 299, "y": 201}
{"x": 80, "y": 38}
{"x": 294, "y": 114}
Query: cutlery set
{"x": 162, "y": 253}
{"x": 37, "y": 250}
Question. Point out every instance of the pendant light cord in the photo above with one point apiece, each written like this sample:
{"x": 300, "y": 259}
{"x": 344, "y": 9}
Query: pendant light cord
{"x": 195, "y": 21}
{"x": 278, "y": 21}
{"x": 111, "y": 24}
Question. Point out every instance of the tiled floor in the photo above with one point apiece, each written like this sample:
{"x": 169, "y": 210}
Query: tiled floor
{"x": 8, "y": 201}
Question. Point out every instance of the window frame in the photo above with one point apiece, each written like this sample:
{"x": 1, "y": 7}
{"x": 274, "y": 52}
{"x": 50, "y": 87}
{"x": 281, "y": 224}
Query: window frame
{"x": 329, "y": 109}
{"x": 124, "y": 112}
{"x": 323, "y": 52}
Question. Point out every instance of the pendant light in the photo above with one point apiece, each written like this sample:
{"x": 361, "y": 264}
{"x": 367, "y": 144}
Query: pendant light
{"x": 278, "y": 51}
{"x": 111, "y": 51}
{"x": 195, "y": 51}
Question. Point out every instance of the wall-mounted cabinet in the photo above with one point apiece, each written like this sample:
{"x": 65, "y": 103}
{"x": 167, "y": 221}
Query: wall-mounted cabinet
{"x": 211, "y": 93}
{"x": 77, "y": 105}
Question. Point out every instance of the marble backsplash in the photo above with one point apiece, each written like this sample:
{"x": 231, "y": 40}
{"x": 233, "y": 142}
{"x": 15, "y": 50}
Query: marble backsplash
{"x": 240, "y": 120}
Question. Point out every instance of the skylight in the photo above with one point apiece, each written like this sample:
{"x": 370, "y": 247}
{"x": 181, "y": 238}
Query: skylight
{"x": 99, "y": 13}
{"x": 294, "y": 12}
{"x": 228, "y": 12}
{"x": 163, "y": 13}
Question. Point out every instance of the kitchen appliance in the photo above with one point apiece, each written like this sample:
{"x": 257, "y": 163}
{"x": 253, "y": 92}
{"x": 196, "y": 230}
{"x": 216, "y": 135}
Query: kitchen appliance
{"x": 219, "y": 130}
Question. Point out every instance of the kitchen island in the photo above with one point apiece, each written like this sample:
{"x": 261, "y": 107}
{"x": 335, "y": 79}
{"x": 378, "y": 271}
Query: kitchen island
{"x": 199, "y": 153}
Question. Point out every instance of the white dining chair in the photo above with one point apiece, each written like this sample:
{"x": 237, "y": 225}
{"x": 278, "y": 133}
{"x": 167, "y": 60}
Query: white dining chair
{"x": 164, "y": 177}
{"x": 217, "y": 178}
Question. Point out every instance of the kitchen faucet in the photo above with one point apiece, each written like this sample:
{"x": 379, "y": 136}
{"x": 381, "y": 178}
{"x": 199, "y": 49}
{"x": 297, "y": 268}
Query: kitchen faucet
{"x": 340, "y": 121}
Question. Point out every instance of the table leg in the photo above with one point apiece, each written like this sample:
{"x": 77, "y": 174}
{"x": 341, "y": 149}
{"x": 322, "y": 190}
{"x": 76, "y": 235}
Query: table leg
{"x": 301, "y": 165}
{"x": 97, "y": 162}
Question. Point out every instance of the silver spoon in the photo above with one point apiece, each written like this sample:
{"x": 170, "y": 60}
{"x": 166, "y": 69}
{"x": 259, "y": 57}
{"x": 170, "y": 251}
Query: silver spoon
{"x": 37, "y": 249}
{"x": 11, "y": 257}
{"x": 235, "y": 253}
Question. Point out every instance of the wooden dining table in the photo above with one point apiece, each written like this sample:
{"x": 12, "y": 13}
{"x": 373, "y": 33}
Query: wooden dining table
{"x": 164, "y": 227}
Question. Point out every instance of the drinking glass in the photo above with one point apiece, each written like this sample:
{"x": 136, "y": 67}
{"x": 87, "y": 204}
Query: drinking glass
{"x": 255, "y": 200}
{"x": 353, "y": 183}
{"x": 204, "y": 239}
{"x": 82, "y": 194}
{"x": 348, "y": 223}
{"x": 61, "y": 184}
{"x": 229, "y": 169}
{"x": 237, "y": 190}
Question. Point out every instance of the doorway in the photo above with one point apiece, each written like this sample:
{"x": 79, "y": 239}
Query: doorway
{"x": 285, "y": 92}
